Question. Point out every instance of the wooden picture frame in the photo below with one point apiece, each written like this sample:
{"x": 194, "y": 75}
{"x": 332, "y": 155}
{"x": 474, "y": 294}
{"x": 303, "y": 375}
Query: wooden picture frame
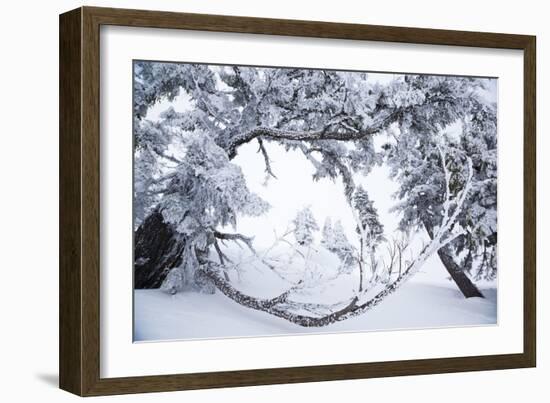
{"x": 80, "y": 185}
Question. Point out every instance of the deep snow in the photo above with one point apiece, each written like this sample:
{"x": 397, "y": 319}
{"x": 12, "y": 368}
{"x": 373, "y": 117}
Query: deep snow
{"x": 429, "y": 300}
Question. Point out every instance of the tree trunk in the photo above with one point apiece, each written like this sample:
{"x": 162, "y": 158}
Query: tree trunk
{"x": 466, "y": 286}
{"x": 463, "y": 282}
{"x": 157, "y": 249}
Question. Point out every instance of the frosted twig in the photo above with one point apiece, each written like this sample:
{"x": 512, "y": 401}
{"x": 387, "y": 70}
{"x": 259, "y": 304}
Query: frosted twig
{"x": 267, "y": 160}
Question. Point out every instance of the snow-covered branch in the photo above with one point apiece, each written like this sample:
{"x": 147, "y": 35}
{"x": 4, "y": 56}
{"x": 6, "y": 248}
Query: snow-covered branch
{"x": 331, "y": 116}
{"x": 283, "y": 307}
{"x": 278, "y": 306}
{"x": 396, "y": 255}
{"x": 236, "y": 238}
{"x": 327, "y": 133}
{"x": 267, "y": 160}
{"x": 449, "y": 220}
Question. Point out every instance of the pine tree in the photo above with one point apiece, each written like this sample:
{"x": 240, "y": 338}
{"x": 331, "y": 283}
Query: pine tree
{"x": 370, "y": 230}
{"x": 206, "y": 191}
{"x": 304, "y": 227}
{"x": 369, "y": 227}
{"x": 334, "y": 240}
{"x": 467, "y": 127}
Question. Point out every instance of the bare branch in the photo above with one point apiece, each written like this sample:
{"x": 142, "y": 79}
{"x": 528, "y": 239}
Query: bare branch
{"x": 221, "y": 255}
{"x": 236, "y": 238}
{"x": 267, "y": 160}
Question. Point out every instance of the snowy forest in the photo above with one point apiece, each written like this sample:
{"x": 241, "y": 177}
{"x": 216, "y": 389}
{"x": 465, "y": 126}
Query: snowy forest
{"x": 274, "y": 200}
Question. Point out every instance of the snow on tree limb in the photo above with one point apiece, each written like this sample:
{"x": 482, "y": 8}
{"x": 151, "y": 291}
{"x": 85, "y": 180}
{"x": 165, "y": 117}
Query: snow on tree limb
{"x": 309, "y": 136}
{"x": 333, "y": 115}
{"x": 267, "y": 160}
{"x": 448, "y": 222}
{"x": 236, "y": 238}
{"x": 277, "y": 307}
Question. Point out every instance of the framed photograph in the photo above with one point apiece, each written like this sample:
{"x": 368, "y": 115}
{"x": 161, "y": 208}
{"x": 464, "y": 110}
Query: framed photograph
{"x": 249, "y": 201}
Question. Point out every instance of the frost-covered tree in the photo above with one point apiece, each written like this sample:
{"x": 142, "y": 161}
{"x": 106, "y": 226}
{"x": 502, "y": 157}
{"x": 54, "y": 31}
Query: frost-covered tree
{"x": 479, "y": 217}
{"x": 308, "y": 110}
{"x": 369, "y": 223}
{"x": 206, "y": 192}
{"x": 304, "y": 227}
{"x": 187, "y": 189}
{"x": 370, "y": 231}
{"x": 335, "y": 240}
{"x": 428, "y": 152}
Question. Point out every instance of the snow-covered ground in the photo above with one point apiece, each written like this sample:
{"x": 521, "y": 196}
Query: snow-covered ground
{"x": 429, "y": 300}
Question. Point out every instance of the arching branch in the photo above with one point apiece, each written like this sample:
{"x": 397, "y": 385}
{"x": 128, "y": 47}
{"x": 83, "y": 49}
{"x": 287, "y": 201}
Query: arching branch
{"x": 283, "y": 307}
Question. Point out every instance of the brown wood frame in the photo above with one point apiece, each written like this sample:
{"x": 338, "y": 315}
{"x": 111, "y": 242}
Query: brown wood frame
{"x": 79, "y": 200}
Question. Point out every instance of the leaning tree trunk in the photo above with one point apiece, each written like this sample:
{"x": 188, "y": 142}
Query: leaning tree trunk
{"x": 463, "y": 282}
{"x": 466, "y": 286}
{"x": 157, "y": 249}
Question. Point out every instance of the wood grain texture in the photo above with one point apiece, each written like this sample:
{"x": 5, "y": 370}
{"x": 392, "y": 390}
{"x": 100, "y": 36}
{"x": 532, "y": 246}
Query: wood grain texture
{"x": 530, "y": 201}
{"x": 80, "y": 196}
{"x": 70, "y": 271}
{"x": 90, "y": 202}
{"x": 316, "y": 29}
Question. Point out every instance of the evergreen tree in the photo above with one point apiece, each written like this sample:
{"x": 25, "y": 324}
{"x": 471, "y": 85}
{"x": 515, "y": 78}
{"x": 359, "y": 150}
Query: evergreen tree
{"x": 369, "y": 227}
{"x": 370, "y": 230}
{"x": 304, "y": 227}
{"x": 334, "y": 240}
{"x": 479, "y": 217}
{"x": 425, "y": 147}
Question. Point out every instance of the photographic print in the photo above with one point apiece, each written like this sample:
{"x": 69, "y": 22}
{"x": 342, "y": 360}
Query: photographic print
{"x": 276, "y": 201}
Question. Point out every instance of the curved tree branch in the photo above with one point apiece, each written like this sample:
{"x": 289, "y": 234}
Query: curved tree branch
{"x": 275, "y": 306}
{"x": 282, "y": 307}
{"x": 332, "y": 131}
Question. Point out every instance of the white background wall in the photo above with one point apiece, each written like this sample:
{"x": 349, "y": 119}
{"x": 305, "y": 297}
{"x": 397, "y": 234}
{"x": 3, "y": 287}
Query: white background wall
{"x": 29, "y": 198}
